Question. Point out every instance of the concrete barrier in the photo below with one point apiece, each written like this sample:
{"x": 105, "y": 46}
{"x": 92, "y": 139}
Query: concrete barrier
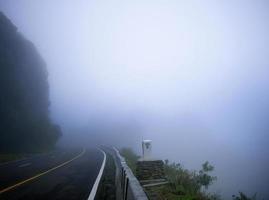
{"x": 127, "y": 185}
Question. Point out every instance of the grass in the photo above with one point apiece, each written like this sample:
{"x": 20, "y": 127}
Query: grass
{"x": 183, "y": 184}
{"x": 130, "y": 157}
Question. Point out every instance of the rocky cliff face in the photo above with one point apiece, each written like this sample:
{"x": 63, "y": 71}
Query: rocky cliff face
{"x": 24, "y": 100}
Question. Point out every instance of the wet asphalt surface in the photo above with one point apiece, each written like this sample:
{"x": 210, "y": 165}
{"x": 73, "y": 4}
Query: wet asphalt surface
{"x": 71, "y": 181}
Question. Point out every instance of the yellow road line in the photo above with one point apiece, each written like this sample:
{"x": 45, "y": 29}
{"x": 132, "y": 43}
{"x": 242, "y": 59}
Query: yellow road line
{"x": 41, "y": 174}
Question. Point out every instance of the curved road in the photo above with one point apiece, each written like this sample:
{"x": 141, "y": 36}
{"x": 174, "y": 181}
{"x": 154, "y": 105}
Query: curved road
{"x": 68, "y": 174}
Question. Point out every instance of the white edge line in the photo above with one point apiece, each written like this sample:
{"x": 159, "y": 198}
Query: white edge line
{"x": 13, "y": 161}
{"x": 25, "y": 164}
{"x": 95, "y": 186}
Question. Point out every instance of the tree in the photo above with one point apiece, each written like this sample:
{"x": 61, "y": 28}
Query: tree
{"x": 24, "y": 101}
{"x": 188, "y": 184}
{"x": 204, "y": 179}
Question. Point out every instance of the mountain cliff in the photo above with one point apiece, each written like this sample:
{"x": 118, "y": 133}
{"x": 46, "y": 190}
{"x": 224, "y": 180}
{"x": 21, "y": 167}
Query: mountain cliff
{"x": 24, "y": 94}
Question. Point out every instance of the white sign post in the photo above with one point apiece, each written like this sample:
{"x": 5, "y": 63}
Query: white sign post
{"x": 146, "y": 147}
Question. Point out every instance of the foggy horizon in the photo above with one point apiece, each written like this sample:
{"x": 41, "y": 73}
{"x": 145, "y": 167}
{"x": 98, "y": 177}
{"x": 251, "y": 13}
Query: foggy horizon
{"x": 191, "y": 76}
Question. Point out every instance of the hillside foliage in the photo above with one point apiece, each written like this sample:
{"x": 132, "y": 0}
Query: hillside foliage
{"x": 24, "y": 101}
{"x": 184, "y": 184}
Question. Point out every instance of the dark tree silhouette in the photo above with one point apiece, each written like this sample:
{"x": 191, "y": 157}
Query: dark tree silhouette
{"x": 24, "y": 100}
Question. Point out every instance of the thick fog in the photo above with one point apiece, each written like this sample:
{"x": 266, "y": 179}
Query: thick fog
{"x": 190, "y": 75}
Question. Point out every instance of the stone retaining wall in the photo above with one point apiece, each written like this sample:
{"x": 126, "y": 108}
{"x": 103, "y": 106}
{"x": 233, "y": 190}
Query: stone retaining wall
{"x": 149, "y": 170}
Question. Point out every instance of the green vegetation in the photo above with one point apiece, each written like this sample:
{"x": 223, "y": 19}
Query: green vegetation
{"x": 130, "y": 158}
{"x": 188, "y": 185}
{"x": 183, "y": 184}
{"x": 25, "y": 125}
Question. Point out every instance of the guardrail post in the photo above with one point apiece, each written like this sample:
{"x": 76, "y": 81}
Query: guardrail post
{"x": 126, "y": 188}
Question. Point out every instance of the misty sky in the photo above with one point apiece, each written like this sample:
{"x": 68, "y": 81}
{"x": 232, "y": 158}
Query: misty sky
{"x": 193, "y": 75}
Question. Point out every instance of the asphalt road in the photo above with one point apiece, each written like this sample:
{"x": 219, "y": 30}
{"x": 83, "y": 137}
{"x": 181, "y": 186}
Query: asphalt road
{"x": 68, "y": 174}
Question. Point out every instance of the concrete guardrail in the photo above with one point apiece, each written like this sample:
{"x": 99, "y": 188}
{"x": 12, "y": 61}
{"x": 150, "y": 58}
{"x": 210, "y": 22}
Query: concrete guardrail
{"x": 127, "y": 185}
